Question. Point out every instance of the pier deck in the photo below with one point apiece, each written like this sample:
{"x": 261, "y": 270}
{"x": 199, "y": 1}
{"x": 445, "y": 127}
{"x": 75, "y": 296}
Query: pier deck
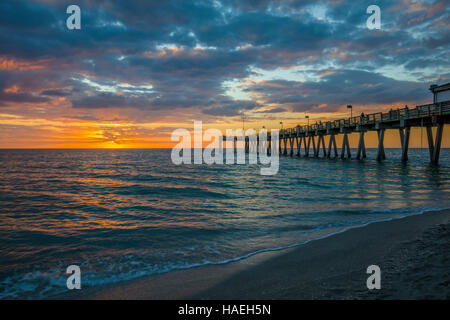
{"x": 427, "y": 116}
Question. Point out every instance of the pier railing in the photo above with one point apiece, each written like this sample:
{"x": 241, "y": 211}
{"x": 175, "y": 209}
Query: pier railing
{"x": 428, "y": 116}
{"x": 428, "y": 110}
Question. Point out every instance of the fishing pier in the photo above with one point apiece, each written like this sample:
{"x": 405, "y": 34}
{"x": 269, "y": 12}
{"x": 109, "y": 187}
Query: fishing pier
{"x": 311, "y": 139}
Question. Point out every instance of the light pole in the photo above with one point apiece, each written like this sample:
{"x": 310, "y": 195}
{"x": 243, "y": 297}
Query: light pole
{"x": 351, "y": 110}
{"x": 307, "y": 117}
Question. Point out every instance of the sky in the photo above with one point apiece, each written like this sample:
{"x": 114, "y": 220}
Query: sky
{"x": 137, "y": 70}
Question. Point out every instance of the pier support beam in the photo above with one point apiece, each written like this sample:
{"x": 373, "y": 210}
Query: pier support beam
{"x": 317, "y": 150}
{"x": 430, "y": 142}
{"x": 324, "y": 149}
{"x": 279, "y": 145}
{"x": 257, "y": 144}
{"x": 291, "y": 143}
{"x": 437, "y": 143}
{"x": 285, "y": 145}
{"x": 381, "y": 155}
{"x": 404, "y": 139}
{"x": 361, "y": 147}
{"x": 435, "y": 147}
{"x": 306, "y": 146}
{"x": 299, "y": 145}
{"x": 311, "y": 138}
{"x": 264, "y": 146}
{"x": 345, "y": 146}
{"x": 332, "y": 143}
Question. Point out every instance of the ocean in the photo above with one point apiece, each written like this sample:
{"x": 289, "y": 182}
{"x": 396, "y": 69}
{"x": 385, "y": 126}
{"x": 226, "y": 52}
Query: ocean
{"x": 124, "y": 213}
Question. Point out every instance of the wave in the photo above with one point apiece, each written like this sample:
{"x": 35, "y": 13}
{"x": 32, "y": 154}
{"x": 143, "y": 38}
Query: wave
{"x": 125, "y": 214}
{"x": 49, "y": 282}
{"x": 138, "y": 189}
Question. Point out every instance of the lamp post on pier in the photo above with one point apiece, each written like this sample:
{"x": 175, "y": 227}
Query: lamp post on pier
{"x": 351, "y": 110}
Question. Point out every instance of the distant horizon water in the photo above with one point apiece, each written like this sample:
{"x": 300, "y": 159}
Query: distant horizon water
{"x": 124, "y": 213}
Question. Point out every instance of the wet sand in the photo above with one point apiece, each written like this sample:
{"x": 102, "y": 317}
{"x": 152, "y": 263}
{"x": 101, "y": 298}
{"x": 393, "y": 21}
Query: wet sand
{"x": 413, "y": 254}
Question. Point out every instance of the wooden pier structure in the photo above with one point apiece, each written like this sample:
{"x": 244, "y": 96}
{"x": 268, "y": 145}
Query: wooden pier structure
{"x": 312, "y": 137}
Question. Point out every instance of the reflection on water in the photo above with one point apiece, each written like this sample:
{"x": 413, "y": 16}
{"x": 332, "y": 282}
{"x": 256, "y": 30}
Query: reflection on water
{"x": 120, "y": 214}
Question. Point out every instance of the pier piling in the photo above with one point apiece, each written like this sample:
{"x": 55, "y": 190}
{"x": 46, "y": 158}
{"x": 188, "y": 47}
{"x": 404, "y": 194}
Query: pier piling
{"x": 431, "y": 115}
{"x": 437, "y": 144}
{"x": 332, "y": 143}
{"x": 404, "y": 139}
{"x": 361, "y": 147}
{"x": 381, "y": 155}
{"x": 346, "y": 147}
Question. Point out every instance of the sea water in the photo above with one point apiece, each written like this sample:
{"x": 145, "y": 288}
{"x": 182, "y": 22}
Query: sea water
{"x": 124, "y": 213}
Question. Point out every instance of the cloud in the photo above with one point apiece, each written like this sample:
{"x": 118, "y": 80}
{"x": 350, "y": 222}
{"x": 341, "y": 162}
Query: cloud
{"x": 109, "y": 100}
{"x": 339, "y": 88}
{"x": 231, "y": 108}
{"x": 55, "y": 92}
{"x": 274, "y": 110}
{"x": 20, "y": 98}
{"x": 177, "y": 55}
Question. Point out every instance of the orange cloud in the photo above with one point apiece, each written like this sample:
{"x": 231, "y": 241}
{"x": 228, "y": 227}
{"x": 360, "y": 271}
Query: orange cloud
{"x": 438, "y": 6}
{"x": 10, "y": 64}
{"x": 13, "y": 89}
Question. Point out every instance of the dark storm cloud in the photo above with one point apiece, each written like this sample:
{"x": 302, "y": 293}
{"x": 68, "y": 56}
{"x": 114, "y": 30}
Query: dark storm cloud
{"x": 20, "y": 98}
{"x": 105, "y": 100}
{"x": 187, "y": 50}
{"x": 15, "y": 94}
{"x": 230, "y": 108}
{"x": 55, "y": 93}
{"x": 341, "y": 88}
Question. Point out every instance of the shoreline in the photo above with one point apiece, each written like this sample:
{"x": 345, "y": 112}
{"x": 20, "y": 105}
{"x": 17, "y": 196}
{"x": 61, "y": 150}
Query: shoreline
{"x": 332, "y": 267}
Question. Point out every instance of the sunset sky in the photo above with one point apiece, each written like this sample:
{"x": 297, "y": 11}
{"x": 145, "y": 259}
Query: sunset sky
{"x": 137, "y": 70}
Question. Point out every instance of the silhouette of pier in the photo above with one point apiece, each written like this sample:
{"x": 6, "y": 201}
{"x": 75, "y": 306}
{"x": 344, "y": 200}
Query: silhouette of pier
{"x": 428, "y": 116}
{"x": 310, "y": 140}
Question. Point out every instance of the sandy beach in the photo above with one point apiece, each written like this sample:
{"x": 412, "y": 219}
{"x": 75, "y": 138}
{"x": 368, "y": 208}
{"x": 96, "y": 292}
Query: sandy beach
{"x": 413, "y": 254}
